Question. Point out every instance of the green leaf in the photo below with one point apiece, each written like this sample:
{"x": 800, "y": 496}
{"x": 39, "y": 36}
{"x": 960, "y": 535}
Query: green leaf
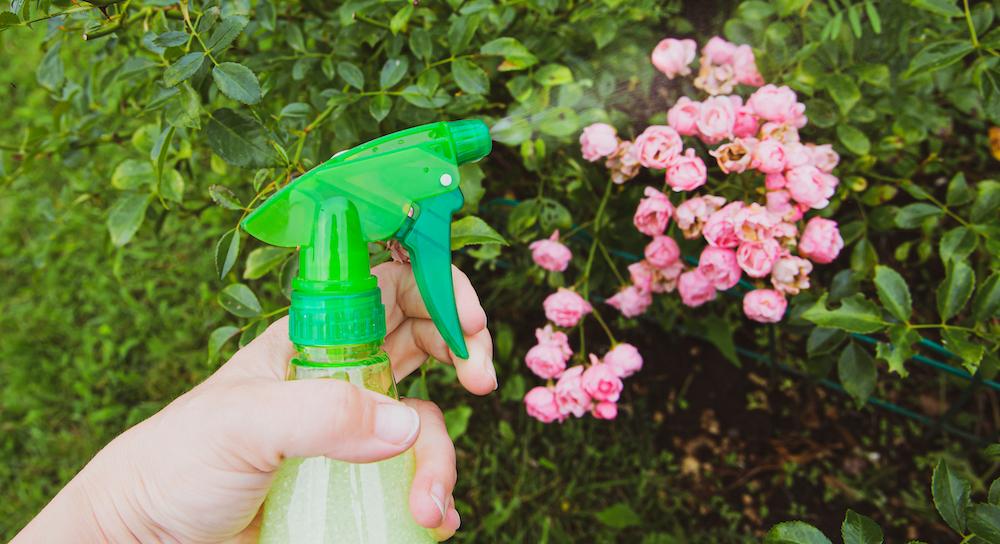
{"x": 183, "y": 68}
{"x": 172, "y": 185}
{"x": 987, "y": 300}
{"x": 858, "y": 529}
{"x": 393, "y": 71}
{"x": 240, "y": 301}
{"x": 219, "y": 337}
{"x": 795, "y": 532}
{"x": 226, "y": 251}
{"x": 50, "y": 72}
{"x": 294, "y": 37}
{"x": 959, "y": 192}
{"x": 400, "y": 20}
{"x": 853, "y": 139}
{"x": 994, "y": 493}
{"x": 912, "y": 215}
{"x": 264, "y": 259}
{"x": 951, "y": 496}
{"x": 379, "y": 107}
{"x": 351, "y": 74}
{"x": 618, "y": 516}
{"x": 126, "y": 216}
{"x": 420, "y": 43}
{"x": 470, "y": 77}
{"x": 559, "y": 122}
{"x": 516, "y": 56}
{"x": 857, "y": 372}
{"x": 899, "y": 350}
{"x": 184, "y": 110}
{"x": 552, "y": 75}
{"x": 238, "y": 139}
{"x": 172, "y": 38}
{"x": 131, "y": 174}
{"x": 844, "y": 91}
{"x": 295, "y": 110}
{"x": 471, "y": 230}
{"x": 957, "y": 244}
{"x": 253, "y": 331}
{"x": 8, "y": 19}
{"x": 893, "y": 292}
{"x": 947, "y": 8}
{"x": 227, "y": 32}
{"x": 987, "y": 201}
{"x": 457, "y": 421}
{"x": 472, "y": 186}
{"x": 984, "y": 520}
{"x": 856, "y": 314}
{"x": 511, "y": 130}
{"x": 823, "y": 340}
{"x": 960, "y": 343}
{"x": 938, "y": 55}
{"x": 715, "y": 330}
{"x": 955, "y": 290}
{"x": 161, "y": 148}
{"x": 237, "y": 82}
{"x": 224, "y": 196}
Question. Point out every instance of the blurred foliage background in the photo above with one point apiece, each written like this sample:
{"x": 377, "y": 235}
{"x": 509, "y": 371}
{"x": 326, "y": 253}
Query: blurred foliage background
{"x": 136, "y": 135}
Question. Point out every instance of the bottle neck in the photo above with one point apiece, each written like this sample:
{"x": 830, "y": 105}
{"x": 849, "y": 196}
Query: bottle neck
{"x": 365, "y": 365}
{"x": 363, "y": 354}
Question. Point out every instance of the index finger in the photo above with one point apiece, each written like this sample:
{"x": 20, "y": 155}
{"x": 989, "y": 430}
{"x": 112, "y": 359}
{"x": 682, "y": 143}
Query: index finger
{"x": 402, "y": 298}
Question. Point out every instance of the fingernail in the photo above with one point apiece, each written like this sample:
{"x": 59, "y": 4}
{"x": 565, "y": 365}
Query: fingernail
{"x": 437, "y": 495}
{"x": 395, "y": 423}
{"x": 492, "y": 371}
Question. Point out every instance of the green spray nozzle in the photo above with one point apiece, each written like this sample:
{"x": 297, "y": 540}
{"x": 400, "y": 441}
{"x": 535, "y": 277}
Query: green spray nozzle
{"x": 404, "y": 186}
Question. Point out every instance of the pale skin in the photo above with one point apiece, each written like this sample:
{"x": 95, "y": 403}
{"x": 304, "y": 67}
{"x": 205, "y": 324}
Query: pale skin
{"x": 199, "y": 470}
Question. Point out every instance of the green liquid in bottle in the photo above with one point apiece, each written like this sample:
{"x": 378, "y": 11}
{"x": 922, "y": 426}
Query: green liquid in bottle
{"x": 322, "y": 501}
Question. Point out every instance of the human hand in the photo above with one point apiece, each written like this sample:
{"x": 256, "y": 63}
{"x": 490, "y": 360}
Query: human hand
{"x": 199, "y": 470}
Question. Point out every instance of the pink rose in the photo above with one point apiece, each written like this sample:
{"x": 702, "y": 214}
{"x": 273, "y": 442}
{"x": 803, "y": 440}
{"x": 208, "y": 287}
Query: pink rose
{"x": 720, "y": 229}
{"x": 548, "y": 358}
{"x": 823, "y": 157}
{"x": 687, "y": 172}
{"x": 683, "y": 117}
{"x": 695, "y": 288}
{"x": 605, "y": 410}
{"x": 764, "y": 305}
{"x": 769, "y": 157}
{"x": 780, "y": 204}
{"x": 719, "y": 266}
{"x": 598, "y": 140}
{"x": 715, "y": 79}
{"x": 754, "y": 223}
{"x": 624, "y": 162}
{"x": 672, "y": 57}
{"x": 716, "y": 119}
{"x": 796, "y": 155}
{"x": 778, "y": 104}
{"x": 658, "y": 145}
{"x": 624, "y": 359}
{"x": 745, "y": 66}
{"x": 541, "y": 405}
{"x": 551, "y": 254}
{"x": 601, "y": 382}
{"x": 821, "y": 241}
{"x": 570, "y": 397}
{"x": 565, "y": 307}
{"x": 786, "y": 234}
{"x": 757, "y": 258}
{"x": 810, "y": 186}
{"x": 746, "y": 123}
{"x": 631, "y": 301}
{"x": 773, "y": 182}
{"x": 791, "y": 274}
{"x": 776, "y": 131}
{"x": 662, "y": 251}
{"x": 718, "y": 51}
{"x": 655, "y": 280}
{"x": 549, "y": 336}
{"x": 653, "y": 213}
{"x": 693, "y": 212}
{"x": 735, "y": 156}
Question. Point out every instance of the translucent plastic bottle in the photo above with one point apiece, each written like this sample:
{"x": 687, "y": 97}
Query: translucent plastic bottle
{"x": 321, "y": 501}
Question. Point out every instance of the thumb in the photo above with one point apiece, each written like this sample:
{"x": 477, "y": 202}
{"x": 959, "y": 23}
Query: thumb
{"x": 269, "y": 420}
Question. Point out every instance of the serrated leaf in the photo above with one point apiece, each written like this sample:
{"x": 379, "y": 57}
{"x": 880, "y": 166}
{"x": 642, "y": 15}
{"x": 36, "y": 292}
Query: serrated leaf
{"x": 226, "y": 251}
{"x": 844, "y": 91}
{"x": 8, "y": 19}
{"x": 172, "y": 38}
{"x": 959, "y": 192}
{"x": 912, "y": 215}
{"x": 987, "y": 201}
{"x": 951, "y": 496}
{"x": 470, "y": 77}
{"x": 855, "y": 314}
{"x": 994, "y": 493}
{"x": 471, "y": 230}
{"x": 183, "y": 68}
{"x": 795, "y": 532}
{"x": 224, "y": 35}
{"x": 955, "y": 290}
{"x": 379, "y": 107}
{"x": 823, "y": 340}
{"x": 393, "y": 71}
{"x": 957, "y": 244}
{"x": 264, "y": 259}
{"x": 456, "y": 420}
{"x": 987, "y": 301}
{"x": 902, "y": 339}
{"x": 240, "y": 301}
{"x": 237, "y": 82}
{"x": 938, "y": 7}
{"x": 858, "y": 529}
{"x": 984, "y": 521}
{"x": 893, "y": 292}
{"x": 618, "y": 516}
{"x": 351, "y": 74}
{"x": 238, "y": 139}
{"x": 853, "y": 139}
{"x": 960, "y": 343}
{"x": 219, "y": 337}
{"x": 50, "y": 72}
{"x": 131, "y": 174}
{"x": 857, "y": 372}
{"x": 938, "y": 55}
{"x": 126, "y": 216}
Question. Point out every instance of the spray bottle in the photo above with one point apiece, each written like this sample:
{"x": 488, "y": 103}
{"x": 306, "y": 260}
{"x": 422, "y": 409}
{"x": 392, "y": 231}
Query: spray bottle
{"x": 403, "y": 186}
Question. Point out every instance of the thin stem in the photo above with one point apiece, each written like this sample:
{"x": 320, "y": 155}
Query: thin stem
{"x": 593, "y": 246}
{"x": 972, "y": 27}
{"x": 611, "y": 262}
{"x": 187, "y": 19}
{"x": 597, "y": 315}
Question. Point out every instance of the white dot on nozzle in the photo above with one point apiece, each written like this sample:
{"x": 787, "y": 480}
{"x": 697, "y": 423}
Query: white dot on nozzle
{"x": 445, "y": 179}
